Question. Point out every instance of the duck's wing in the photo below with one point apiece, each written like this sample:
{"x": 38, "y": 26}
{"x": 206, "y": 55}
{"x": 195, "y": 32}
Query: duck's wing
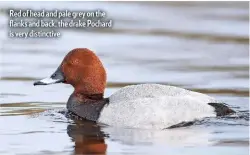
{"x": 134, "y": 92}
{"x": 156, "y": 113}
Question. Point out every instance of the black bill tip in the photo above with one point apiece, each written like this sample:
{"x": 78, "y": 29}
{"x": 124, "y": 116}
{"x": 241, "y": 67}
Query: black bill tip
{"x": 39, "y": 83}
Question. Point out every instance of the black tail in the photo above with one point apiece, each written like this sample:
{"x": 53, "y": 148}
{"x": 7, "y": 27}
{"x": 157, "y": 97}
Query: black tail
{"x": 221, "y": 109}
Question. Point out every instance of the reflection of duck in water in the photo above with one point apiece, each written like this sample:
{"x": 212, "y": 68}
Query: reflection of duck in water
{"x": 88, "y": 138}
{"x": 137, "y": 106}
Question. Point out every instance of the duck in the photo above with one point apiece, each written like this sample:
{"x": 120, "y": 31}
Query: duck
{"x": 147, "y": 106}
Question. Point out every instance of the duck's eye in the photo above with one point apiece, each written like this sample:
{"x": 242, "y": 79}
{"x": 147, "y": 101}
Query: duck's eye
{"x": 74, "y": 61}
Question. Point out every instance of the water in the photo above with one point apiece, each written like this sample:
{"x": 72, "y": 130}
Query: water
{"x": 200, "y": 46}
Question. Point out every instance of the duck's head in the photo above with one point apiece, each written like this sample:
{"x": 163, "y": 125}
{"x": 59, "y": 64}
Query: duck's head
{"x": 82, "y": 69}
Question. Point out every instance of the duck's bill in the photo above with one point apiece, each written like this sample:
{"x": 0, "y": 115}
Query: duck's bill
{"x": 47, "y": 81}
{"x": 57, "y": 77}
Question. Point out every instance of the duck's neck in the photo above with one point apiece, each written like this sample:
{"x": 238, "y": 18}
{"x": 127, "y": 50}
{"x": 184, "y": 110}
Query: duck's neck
{"x": 87, "y": 91}
{"x": 83, "y": 97}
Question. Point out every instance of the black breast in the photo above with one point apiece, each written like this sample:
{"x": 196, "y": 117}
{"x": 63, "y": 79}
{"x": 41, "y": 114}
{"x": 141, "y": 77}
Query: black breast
{"x": 89, "y": 110}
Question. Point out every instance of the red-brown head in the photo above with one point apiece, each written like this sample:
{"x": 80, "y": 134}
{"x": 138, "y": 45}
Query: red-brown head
{"x": 82, "y": 69}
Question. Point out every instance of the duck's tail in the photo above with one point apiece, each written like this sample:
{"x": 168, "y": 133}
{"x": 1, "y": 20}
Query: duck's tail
{"x": 221, "y": 109}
